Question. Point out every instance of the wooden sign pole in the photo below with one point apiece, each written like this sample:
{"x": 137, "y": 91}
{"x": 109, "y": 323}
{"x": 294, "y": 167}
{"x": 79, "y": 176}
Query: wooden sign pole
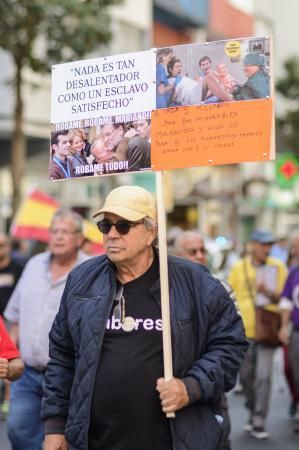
{"x": 166, "y": 331}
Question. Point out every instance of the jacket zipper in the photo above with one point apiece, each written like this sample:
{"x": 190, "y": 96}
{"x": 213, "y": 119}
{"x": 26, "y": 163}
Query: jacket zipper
{"x": 170, "y": 420}
{"x": 96, "y": 365}
{"x": 172, "y": 434}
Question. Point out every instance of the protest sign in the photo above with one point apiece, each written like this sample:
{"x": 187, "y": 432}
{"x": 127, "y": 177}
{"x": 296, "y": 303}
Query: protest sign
{"x": 228, "y": 118}
{"x": 222, "y": 133}
{"x": 100, "y": 114}
{"x": 101, "y": 108}
{"x": 101, "y": 87}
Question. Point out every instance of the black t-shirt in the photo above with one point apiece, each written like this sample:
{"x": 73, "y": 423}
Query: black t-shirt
{"x": 126, "y": 411}
{"x": 9, "y": 276}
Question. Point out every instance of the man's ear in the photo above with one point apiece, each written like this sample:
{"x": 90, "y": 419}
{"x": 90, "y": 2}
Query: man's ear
{"x": 153, "y": 234}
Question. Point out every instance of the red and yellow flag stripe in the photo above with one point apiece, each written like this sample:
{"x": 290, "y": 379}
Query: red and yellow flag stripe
{"x": 34, "y": 217}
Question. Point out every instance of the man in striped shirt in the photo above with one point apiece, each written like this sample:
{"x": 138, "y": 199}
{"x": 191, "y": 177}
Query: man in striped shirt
{"x": 31, "y": 310}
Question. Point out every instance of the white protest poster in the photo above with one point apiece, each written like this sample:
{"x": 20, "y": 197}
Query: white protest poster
{"x": 101, "y": 115}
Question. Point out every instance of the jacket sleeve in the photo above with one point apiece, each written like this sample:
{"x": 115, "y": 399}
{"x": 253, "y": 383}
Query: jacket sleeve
{"x": 59, "y": 375}
{"x": 225, "y": 346}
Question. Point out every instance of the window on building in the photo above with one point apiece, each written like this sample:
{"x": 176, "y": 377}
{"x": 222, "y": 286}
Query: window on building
{"x": 129, "y": 38}
{"x": 246, "y": 6}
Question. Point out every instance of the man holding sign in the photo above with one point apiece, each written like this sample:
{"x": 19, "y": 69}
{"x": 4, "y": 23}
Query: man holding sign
{"x": 104, "y": 385}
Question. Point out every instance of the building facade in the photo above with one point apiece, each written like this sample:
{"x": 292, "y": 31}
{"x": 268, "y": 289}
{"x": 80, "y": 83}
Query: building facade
{"x": 131, "y": 32}
{"x": 224, "y": 200}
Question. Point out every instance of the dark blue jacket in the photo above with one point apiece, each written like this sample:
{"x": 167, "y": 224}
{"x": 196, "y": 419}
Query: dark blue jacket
{"x": 208, "y": 344}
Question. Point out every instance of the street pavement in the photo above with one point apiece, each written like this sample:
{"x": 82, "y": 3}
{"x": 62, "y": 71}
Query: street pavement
{"x": 279, "y": 425}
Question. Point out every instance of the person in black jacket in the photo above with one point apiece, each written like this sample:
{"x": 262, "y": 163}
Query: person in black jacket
{"x": 191, "y": 245}
{"x": 104, "y": 386}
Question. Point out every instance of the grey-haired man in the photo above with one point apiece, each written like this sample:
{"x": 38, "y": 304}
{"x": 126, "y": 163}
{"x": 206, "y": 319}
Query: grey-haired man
{"x": 31, "y": 310}
{"x": 104, "y": 386}
{"x": 191, "y": 245}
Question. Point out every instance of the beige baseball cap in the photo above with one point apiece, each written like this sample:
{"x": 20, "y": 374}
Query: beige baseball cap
{"x": 130, "y": 202}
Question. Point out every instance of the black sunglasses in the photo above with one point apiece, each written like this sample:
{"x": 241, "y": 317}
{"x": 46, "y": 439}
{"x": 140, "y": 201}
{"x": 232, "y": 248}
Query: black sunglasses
{"x": 122, "y": 226}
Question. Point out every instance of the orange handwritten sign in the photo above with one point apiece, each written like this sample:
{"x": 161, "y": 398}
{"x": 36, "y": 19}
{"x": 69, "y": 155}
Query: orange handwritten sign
{"x": 222, "y": 133}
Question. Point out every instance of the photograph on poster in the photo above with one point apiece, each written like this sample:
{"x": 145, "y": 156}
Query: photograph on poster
{"x": 101, "y": 146}
{"x": 213, "y": 72}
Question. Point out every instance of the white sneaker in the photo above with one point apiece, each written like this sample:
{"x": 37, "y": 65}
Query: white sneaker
{"x": 259, "y": 433}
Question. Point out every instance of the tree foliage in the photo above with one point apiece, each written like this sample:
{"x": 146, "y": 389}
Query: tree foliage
{"x": 68, "y": 29}
{"x": 288, "y": 87}
{"x": 39, "y": 33}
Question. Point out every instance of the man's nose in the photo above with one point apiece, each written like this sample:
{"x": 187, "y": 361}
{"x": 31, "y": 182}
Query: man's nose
{"x": 113, "y": 233}
{"x": 200, "y": 255}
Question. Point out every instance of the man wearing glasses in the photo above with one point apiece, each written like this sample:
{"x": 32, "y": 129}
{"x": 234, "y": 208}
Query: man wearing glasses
{"x": 104, "y": 385}
{"x": 191, "y": 245}
{"x": 31, "y": 310}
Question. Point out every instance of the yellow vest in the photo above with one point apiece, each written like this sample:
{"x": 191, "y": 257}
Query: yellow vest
{"x": 244, "y": 270}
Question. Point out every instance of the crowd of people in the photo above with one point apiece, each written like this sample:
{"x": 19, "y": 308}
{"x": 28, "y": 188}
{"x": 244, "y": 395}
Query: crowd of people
{"x": 115, "y": 147}
{"x": 264, "y": 277}
{"x": 212, "y": 85}
{"x": 84, "y": 354}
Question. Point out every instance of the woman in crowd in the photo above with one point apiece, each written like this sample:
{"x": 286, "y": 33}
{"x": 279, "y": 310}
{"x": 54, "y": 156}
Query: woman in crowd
{"x": 164, "y": 88}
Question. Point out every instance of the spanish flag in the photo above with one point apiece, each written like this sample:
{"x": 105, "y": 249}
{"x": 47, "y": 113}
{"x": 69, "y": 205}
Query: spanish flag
{"x": 34, "y": 216}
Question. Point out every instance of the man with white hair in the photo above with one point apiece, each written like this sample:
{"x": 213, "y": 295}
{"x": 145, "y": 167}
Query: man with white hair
{"x": 31, "y": 310}
{"x": 191, "y": 245}
{"x": 104, "y": 387}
